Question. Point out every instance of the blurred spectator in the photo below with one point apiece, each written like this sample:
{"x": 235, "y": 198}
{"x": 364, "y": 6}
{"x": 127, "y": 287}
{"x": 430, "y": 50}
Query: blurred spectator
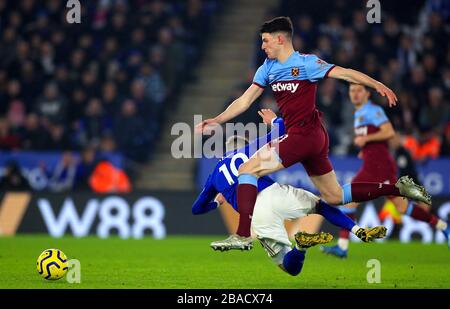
{"x": 107, "y": 143}
{"x": 95, "y": 123}
{"x": 8, "y": 140}
{"x": 16, "y": 115}
{"x": 445, "y": 148}
{"x": 59, "y": 138}
{"x": 86, "y": 166}
{"x": 110, "y": 99}
{"x": 52, "y": 106}
{"x": 155, "y": 88}
{"x": 405, "y": 163}
{"x": 147, "y": 108}
{"x": 63, "y": 176}
{"x": 426, "y": 147}
{"x": 34, "y": 136}
{"x": 329, "y": 101}
{"x": 435, "y": 113}
{"x": 132, "y": 136}
{"x": 106, "y": 178}
{"x": 13, "y": 180}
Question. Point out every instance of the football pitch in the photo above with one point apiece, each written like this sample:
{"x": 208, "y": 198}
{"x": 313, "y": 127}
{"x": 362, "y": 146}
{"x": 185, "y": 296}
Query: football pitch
{"x": 187, "y": 262}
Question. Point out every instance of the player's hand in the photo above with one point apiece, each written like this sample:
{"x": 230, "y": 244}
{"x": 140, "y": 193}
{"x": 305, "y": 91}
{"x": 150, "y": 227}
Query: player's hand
{"x": 220, "y": 199}
{"x": 388, "y": 93}
{"x": 206, "y": 126}
{"x": 360, "y": 155}
{"x": 267, "y": 115}
{"x": 360, "y": 141}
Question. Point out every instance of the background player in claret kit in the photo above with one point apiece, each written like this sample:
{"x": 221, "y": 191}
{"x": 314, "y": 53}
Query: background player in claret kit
{"x": 275, "y": 204}
{"x": 293, "y": 79}
{"x": 372, "y": 132}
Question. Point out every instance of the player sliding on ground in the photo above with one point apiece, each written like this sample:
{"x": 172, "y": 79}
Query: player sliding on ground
{"x": 372, "y": 132}
{"x": 293, "y": 79}
{"x": 275, "y": 203}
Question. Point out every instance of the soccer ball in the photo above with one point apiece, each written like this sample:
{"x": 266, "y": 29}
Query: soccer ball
{"x": 52, "y": 264}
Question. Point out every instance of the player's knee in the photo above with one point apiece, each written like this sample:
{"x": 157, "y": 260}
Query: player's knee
{"x": 247, "y": 168}
{"x": 332, "y": 198}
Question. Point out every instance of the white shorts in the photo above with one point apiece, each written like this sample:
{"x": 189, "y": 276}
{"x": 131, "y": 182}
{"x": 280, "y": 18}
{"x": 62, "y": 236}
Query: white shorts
{"x": 273, "y": 206}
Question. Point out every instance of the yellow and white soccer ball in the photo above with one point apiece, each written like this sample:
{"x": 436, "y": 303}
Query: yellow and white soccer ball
{"x": 52, "y": 264}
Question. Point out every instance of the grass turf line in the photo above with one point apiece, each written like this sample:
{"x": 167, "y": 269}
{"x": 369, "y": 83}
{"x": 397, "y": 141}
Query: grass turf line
{"x": 188, "y": 262}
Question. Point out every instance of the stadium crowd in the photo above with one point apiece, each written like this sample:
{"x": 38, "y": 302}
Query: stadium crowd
{"x": 409, "y": 51}
{"x": 103, "y": 83}
{"x": 99, "y": 86}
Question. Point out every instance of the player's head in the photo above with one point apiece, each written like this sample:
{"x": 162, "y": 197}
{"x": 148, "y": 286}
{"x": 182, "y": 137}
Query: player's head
{"x": 359, "y": 94}
{"x": 275, "y": 34}
{"x": 235, "y": 142}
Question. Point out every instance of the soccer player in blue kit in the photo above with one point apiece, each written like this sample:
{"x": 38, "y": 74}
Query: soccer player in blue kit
{"x": 274, "y": 204}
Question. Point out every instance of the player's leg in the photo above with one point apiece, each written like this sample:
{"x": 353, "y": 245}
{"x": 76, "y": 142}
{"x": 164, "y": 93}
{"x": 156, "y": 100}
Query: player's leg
{"x": 421, "y": 213}
{"x": 334, "y": 194}
{"x": 320, "y": 170}
{"x": 263, "y": 162}
{"x": 293, "y": 203}
{"x": 341, "y": 249}
{"x": 281, "y": 153}
{"x": 339, "y": 218}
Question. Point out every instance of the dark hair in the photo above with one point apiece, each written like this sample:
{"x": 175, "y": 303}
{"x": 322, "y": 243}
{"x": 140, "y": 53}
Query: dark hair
{"x": 278, "y": 24}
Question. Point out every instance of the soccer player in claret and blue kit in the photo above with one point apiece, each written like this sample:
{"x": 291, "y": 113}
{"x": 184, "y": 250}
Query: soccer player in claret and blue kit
{"x": 293, "y": 78}
{"x": 373, "y": 130}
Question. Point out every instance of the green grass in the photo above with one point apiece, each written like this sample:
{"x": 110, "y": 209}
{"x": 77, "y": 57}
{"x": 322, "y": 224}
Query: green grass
{"x": 188, "y": 262}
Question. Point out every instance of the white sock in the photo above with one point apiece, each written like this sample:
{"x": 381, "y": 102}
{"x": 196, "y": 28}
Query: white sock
{"x": 441, "y": 225}
{"x": 343, "y": 243}
{"x": 355, "y": 228}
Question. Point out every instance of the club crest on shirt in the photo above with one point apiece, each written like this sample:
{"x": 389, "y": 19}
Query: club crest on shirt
{"x": 294, "y": 72}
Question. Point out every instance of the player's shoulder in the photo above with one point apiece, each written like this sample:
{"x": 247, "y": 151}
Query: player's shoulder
{"x": 376, "y": 113}
{"x": 374, "y": 108}
{"x": 268, "y": 63}
{"x": 307, "y": 57}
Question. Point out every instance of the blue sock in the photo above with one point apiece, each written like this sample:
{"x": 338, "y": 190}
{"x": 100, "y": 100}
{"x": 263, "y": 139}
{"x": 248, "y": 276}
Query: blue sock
{"x": 335, "y": 216}
{"x": 409, "y": 209}
{"x": 248, "y": 179}
{"x": 293, "y": 261}
{"x": 347, "y": 194}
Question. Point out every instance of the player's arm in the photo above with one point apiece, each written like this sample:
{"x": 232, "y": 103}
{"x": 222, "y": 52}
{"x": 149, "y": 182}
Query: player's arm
{"x": 277, "y": 123}
{"x": 386, "y": 132}
{"x": 206, "y": 201}
{"x": 278, "y": 129}
{"x": 353, "y": 76}
{"x": 236, "y": 108}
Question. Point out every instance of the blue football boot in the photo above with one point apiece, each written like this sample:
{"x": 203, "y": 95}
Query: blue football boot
{"x": 334, "y": 250}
